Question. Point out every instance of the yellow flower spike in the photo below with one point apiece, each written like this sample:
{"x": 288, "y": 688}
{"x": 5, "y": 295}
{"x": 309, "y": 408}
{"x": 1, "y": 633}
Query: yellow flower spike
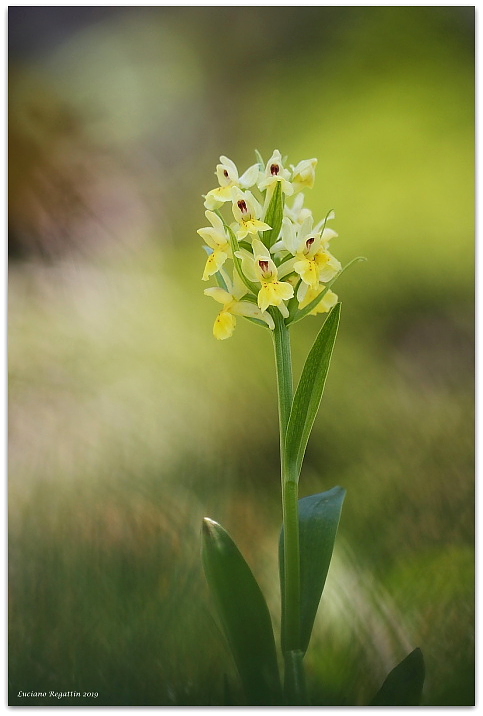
{"x": 298, "y": 261}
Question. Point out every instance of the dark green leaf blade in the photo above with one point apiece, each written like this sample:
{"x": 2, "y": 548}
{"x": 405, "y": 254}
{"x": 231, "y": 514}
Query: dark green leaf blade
{"x": 274, "y": 217}
{"x": 319, "y": 517}
{"x": 404, "y": 684}
{"x": 309, "y": 393}
{"x": 244, "y": 615}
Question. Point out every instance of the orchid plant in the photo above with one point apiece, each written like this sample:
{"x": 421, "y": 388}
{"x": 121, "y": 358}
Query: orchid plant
{"x": 272, "y": 265}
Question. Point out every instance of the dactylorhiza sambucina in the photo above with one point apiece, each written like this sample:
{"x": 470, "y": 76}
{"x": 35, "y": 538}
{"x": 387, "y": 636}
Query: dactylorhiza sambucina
{"x": 264, "y": 248}
{"x": 272, "y": 265}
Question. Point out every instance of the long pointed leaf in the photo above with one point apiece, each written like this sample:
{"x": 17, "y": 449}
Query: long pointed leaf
{"x": 309, "y": 393}
{"x": 404, "y": 684}
{"x": 319, "y": 517}
{"x": 274, "y": 217}
{"x": 244, "y": 615}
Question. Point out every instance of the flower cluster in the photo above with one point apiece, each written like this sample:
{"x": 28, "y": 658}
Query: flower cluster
{"x": 281, "y": 259}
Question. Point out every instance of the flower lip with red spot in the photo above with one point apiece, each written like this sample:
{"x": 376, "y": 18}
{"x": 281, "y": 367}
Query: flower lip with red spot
{"x": 265, "y": 268}
{"x": 274, "y": 174}
{"x": 246, "y": 211}
{"x": 227, "y": 175}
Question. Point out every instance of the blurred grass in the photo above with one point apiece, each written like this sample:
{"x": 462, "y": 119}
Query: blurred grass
{"x": 129, "y": 422}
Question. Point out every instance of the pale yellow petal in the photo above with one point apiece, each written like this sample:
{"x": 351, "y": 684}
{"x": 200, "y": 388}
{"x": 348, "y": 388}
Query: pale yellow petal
{"x": 283, "y": 290}
{"x": 219, "y": 294}
{"x": 269, "y": 320}
{"x": 215, "y": 221}
{"x": 326, "y": 303}
{"x": 248, "y": 264}
{"x": 255, "y": 225}
{"x": 260, "y": 251}
{"x": 246, "y": 308}
{"x": 238, "y": 287}
{"x": 214, "y": 263}
{"x": 308, "y": 271}
{"x": 287, "y": 188}
{"x": 272, "y": 294}
{"x": 289, "y": 236}
{"x": 287, "y": 267}
{"x": 302, "y": 291}
{"x": 224, "y": 325}
{"x": 264, "y": 297}
{"x": 328, "y": 267}
{"x": 249, "y": 177}
{"x": 217, "y": 197}
{"x": 283, "y": 310}
{"x": 241, "y": 232}
{"x": 229, "y": 164}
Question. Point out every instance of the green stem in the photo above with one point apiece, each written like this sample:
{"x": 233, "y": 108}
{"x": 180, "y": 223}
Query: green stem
{"x": 295, "y": 688}
{"x": 294, "y": 677}
{"x": 283, "y": 364}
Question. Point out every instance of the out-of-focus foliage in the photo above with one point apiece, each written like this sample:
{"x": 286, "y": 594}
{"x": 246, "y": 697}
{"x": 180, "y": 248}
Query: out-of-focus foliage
{"x": 129, "y": 422}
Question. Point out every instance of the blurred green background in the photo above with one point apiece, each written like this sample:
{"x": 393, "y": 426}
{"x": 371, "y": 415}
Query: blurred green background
{"x": 129, "y": 422}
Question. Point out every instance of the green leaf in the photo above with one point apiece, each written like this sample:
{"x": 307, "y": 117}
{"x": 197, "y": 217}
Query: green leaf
{"x": 319, "y": 517}
{"x": 273, "y": 217}
{"x": 309, "y": 394}
{"x": 404, "y": 684}
{"x": 244, "y": 615}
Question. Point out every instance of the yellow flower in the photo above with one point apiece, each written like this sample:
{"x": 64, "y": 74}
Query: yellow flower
{"x": 312, "y": 261}
{"x": 247, "y": 211}
{"x": 303, "y": 175}
{"x": 321, "y": 266}
{"x": 306, "y": 295}
{"x": 217, "y": 240}
{"x": 225, "y": 321}
{"x": 273, "y": 293}
{"x": 227, "y": 175}
{"x": 274, "y": 172}
{"x": 259, "y": 267}
{"x": 297, "y": 212}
